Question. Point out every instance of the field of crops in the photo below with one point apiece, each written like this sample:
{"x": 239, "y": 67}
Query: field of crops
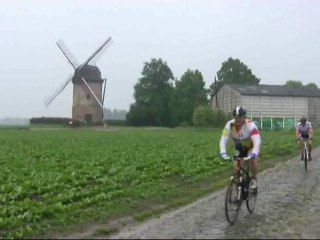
{"x": 50, "y": 179}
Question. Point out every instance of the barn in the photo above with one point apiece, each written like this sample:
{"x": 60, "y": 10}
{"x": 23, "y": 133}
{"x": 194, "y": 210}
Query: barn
{"x": 272, "y": 107}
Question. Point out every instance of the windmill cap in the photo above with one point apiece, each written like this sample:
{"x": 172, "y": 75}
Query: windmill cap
{"x": 90, "y": 73}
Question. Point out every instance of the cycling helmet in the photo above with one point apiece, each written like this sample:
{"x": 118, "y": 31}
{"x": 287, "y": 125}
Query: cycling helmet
{"x": 303, "y": 119}
{"x": 239, "y": 112}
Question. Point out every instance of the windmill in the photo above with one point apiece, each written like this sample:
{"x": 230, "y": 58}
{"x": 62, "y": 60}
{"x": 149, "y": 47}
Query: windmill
{"x": 88, "y": 86}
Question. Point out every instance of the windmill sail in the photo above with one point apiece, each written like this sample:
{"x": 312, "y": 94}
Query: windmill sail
{"x": 85, "y": 82}
{"x": 66, "y": 52}
{"x": 96, "y": 54}
{"x": 104, "y": 90}
{"x": 58, "y": 91}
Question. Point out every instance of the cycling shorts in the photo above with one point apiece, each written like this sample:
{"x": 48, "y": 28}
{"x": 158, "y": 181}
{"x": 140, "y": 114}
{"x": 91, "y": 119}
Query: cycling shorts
{"x": 242, "y": 151}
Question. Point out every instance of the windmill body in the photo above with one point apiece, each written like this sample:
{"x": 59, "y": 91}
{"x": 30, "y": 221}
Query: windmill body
{"x": 85, "y": 108}
{"x": 88, "y": 93}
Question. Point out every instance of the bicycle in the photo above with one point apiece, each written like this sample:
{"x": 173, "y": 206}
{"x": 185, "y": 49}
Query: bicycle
{"x": 305, "y": 155}
{"x": 239, "y": 190}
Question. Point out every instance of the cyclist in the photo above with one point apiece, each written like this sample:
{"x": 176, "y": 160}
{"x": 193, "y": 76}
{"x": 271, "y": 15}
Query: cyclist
{"x": 304, "y": 131}
{"x": 246, "y": 137}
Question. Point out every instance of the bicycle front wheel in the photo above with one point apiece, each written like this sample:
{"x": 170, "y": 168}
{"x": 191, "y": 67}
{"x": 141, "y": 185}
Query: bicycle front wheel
{"x": 252, "y": 198}
{"x": 305, "y": 159}
{"x": 233, "y": 202}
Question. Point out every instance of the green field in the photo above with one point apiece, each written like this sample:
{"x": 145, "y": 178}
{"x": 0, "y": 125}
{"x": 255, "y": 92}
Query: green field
{"x": 51, "y": 179}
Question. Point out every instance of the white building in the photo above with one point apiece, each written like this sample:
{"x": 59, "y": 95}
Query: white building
{"x": 271, "y": 106}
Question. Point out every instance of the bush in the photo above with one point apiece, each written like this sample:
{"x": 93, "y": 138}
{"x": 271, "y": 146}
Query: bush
{"x": 221, "y": 118}
{"x": 51, "y": 120}
{"x": 116, "y": 122}
{"x": 203, "y": 116}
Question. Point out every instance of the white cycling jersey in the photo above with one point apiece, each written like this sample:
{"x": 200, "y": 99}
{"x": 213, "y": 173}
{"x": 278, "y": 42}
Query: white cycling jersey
{"x": 304, "y": 130}
{"x": 247, "y": 135}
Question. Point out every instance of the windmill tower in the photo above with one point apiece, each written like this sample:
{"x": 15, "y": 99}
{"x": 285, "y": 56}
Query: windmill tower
{"x": 88, "y": 86}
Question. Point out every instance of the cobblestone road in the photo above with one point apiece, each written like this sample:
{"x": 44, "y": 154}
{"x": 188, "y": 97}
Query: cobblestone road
{"x": 288, "y": 207}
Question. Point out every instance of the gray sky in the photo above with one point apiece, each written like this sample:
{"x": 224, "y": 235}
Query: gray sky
{"x": 278, "y": 40}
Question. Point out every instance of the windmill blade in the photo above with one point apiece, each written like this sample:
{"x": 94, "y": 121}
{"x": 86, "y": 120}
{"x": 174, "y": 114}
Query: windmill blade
{"x": 104, "y": 90}
{"x": 58, "y": 91}
{"x": 85, "y": 82}
{"x": 99, "y": 54}
{"x": 96, "y": 54}
{"x": 66, "y": 52}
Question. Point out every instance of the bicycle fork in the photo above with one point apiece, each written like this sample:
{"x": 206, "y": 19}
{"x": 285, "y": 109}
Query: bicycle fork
{"x": 239, "y": 186}
{"x": 306, "y": 150}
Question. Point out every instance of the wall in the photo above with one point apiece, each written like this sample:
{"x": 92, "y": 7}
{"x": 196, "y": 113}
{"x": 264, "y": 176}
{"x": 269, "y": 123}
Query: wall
{"x": 270, "y": 112}
{"x": 274, "y": 112}
{"x": 228, "y": 99}
{"x": 82, "y": 105}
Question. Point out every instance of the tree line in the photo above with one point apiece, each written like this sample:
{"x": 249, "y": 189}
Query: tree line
{"x": 163, "y": 100}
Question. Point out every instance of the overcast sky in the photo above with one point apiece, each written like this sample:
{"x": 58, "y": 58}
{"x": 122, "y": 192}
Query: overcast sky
{"x": 278, "y": 40}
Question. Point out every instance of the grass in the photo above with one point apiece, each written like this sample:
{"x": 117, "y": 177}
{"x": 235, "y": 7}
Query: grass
{"x": 54, "y": 180}
{"x": 105, "y": 231}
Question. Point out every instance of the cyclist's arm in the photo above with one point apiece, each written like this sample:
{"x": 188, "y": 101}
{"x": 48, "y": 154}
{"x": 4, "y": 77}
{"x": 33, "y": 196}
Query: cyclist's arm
{"x": 297, "y": 131}
{"x": 256, "y": 139}
{"x": 310, "y": 131}
{"x": 225, "y": 138}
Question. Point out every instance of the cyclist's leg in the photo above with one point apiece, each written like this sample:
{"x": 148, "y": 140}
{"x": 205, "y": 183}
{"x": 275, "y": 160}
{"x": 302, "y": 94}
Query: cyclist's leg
{"x": 301, "y": 150}
{"x": 310, "y": 148}
{"x": 241, "y": 152}
{"x": 254, "y": 167}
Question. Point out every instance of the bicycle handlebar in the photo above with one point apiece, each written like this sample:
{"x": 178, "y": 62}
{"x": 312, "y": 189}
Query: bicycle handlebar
{"x": 304, "y": 139}
{"x": 242, "y": 158}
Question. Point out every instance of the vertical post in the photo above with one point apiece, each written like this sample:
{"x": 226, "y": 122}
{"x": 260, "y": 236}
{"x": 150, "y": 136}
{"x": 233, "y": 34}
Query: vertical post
{"x": 261, "y": 115}
{"x": 104, "y": 92}
{"x": 306, "y": 107}
{"x": 294, "y": 107}
{"x": 271, "y": 117}
{"x": 251, "y": 107}
{"x": 216, "y": 91}
{"x": 283, "y": 113}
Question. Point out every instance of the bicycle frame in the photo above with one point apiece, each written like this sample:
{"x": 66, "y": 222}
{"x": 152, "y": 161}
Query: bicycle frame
{"x": 247, "y": 163}
{"x": 240, "y": 189}
{"x": 243, "y": 172}
{"x": 306, "y": 154}
{"x": 306, "y": 149}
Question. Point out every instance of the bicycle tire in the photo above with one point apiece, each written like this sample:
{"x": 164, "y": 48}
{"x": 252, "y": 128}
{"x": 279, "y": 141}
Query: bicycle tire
{"x": 305, "y": 160}
{"x": 252, "y": 198}
{"x": 232, "y": 205}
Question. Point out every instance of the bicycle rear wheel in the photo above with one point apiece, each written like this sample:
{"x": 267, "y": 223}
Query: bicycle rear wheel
{"x": 252, "y": 198}
{"x": 233, "y": 202}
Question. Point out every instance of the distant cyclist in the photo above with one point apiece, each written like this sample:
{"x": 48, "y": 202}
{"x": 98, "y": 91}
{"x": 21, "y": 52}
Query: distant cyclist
{"x": 304, "y": 131}
{"x": 246, "y": 137}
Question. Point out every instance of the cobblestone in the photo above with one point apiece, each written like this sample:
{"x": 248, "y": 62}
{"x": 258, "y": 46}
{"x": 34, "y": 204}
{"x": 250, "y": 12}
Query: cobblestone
{"x": 288, "y": 206}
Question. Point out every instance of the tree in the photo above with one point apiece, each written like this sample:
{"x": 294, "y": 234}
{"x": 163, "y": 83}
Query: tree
{"x": 189, "y": 93}
{"x": 312, "y": 85}
{"x": 152, "y": 95}
{"x": 232, "y": 71}
{"x": 294, "y": 83}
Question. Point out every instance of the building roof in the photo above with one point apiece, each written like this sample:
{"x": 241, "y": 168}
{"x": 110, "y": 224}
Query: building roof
{"x": 275, "y": 90}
